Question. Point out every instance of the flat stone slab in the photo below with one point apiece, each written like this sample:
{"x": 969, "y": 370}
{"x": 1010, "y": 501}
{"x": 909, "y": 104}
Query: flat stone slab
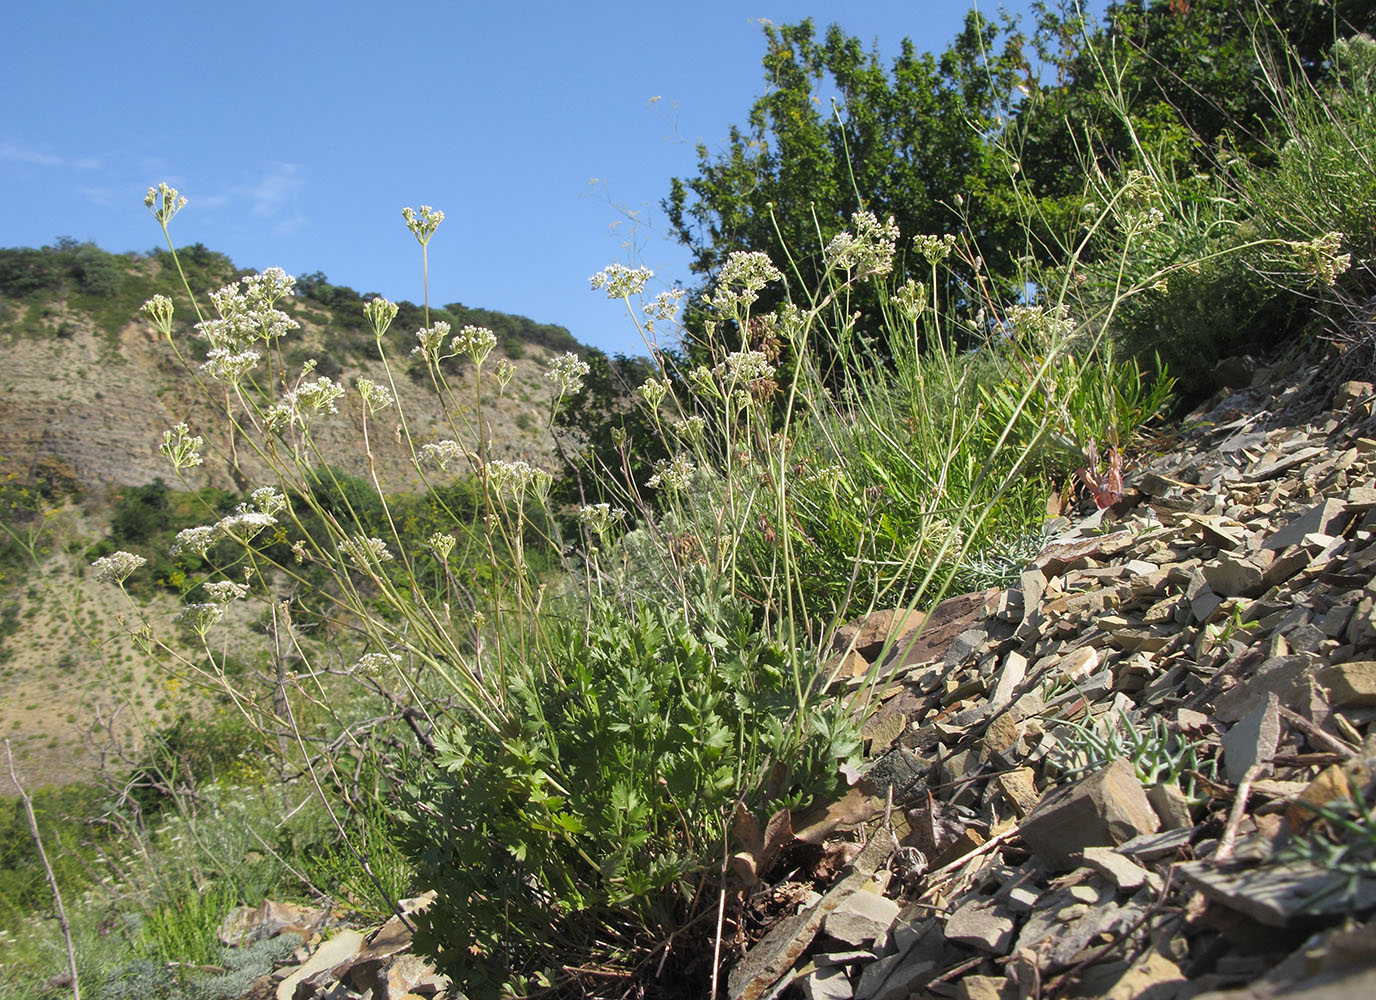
{"x": 1103, "y": 809}
{"x": 1276, "y": 896}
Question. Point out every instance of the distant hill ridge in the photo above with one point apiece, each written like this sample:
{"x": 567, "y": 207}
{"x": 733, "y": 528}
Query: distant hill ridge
{"x": 87, "y": 387}
{"x": 95, "y": 281}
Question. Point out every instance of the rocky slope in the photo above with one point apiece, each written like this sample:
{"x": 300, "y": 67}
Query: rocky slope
{"x": 1142, "y": 773}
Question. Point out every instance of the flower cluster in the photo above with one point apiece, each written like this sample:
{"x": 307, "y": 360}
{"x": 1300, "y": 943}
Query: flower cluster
{"x": 181, "y": 447}
{"x": 692, "y": 428}
{"x": 567, "y": 372}
{"x": 197, "y": 540}
{"x": 1320, "y": 258}
{"x": 431, "y": 341}
{"x": 653, "y": 392}
{"x": 1041, "y": 329}
{"x": 664, "y": 305}
{"x": 379, "y": 313}
{"x": 599, "y": 517}
{"x": 164, "y": 202}
{"x": 740, "y": 280}
{"x": 442, "y": 544}
{"x": 745, "y": 366}
{"x": 441, "y": 453}
{"x": 309, "y": 398}
{"x": 375, "y": 664}
{"x": 375, "y": 397}
{"x": 423, "y": 223}
{"x": 226, "y": 591}
{"x": 518, "y": 478}
{"x": 910, "y": 299}
{"x": 365, "y": 551}
{"x": 199, "y": 618}
{"x": 620, "y": 281}
{"x": 269, "y": 500}
{"x": 475, "y": 341}
{"x": 245, "y": 317}
{"x": 244, "y": 523}
{"x": 158, "y": 310}
{"x": 229, "y": 366}
{"x": 935, "y": 248}
{"x": 116, "y": 567}
{"x": 673, "y": 474}
{"x": 869, "y": 250}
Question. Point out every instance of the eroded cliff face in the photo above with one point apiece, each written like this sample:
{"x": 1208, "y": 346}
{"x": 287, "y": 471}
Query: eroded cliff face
{"x": 92, "y": 409}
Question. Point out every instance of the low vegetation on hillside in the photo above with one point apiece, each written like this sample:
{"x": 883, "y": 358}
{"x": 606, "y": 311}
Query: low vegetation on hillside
{"x": 562, "y": 697}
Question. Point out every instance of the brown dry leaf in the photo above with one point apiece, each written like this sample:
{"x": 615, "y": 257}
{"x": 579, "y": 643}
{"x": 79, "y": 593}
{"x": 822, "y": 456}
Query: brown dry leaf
{"x": 743, "y": 864}
{"x": 747, "y": 830}
{"x": 851, "y": 809}
{"x": 777, "y": 833}
{"x": 759, "y": 848}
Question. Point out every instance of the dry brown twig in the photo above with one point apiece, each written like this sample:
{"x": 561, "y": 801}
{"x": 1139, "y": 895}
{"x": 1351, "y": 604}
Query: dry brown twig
{"x": 48, "y": 868}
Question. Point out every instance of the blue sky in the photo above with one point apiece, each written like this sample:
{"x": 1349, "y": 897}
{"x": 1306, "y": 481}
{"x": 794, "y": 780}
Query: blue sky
{"x": 547, "y": 132}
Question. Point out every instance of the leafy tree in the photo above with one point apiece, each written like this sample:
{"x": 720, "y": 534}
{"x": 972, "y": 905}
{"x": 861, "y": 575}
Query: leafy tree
{"x": 589, "y": 425}
{"x": 837, "y": 133}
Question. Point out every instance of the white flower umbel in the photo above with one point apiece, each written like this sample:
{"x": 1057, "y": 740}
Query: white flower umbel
{"x": 1321, "y": 259}
{"x": 745, "y": 366}
{"x": 310, "y": 398}
{"x": 375, "y": 664}
{"x": 441, "y": 453}
{"x": 226, "y": 591}
{"x": 505, "y": 372}
{"x": 868, "y": 250}
{"x": 423, "y": 223}
{"x": 197, "y": 540}
{"x": 599, "y": 517}
{"x": 621, "y": 281}
{"x": 741, "y": 278}
{"x": 116, "y": 567}
{"x": 269, "y": 500}
{"x": 229, "y": 367}
{"x": 1040, "y": 329}
{"x": 665, "y": 305}
{"x": 691, "y": 429}
{"x": 379, "y": 313}
{"x": 181, "y": 447}
{"x": 164, "y": 202}
{"x": 375, "y": 397}
{"x": 674, "y": 474}
{"x": 910, "y": 300}
{"x": 567, "y": 372}
{"x": 158, "y": 310}
{"x": 653, "y": 392}
{"x": 442, "y": 544}
{"x": 365, "y": 553}
{"x": 199, "y": 618}
{"x": 475, "y": 341}
{"x": 247, "y": 315}
{"x": 935, "y": 248}
{"x": 244, "y": 523}
{"x": 431, "y": 341}
{"x": 516, "y": 479}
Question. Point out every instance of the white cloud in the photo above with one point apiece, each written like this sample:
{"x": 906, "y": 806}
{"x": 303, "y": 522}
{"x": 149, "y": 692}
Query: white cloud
{"x": 27, "y": 154}
{"x": 277, "y": 196}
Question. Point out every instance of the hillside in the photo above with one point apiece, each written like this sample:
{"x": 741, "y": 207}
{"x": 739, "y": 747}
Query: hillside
{"x": 88, "y": 387}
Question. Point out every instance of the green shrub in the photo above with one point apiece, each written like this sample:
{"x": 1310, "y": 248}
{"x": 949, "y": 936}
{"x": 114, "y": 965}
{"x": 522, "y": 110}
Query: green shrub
{"x": 604, "y": 795}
